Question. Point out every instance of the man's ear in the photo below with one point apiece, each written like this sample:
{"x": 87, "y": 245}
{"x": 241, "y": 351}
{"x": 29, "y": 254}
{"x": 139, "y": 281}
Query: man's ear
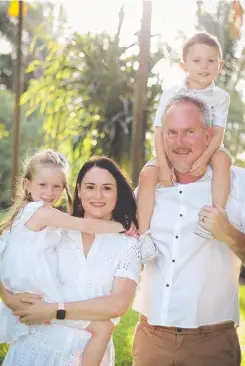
{"x": 209, "y": 134}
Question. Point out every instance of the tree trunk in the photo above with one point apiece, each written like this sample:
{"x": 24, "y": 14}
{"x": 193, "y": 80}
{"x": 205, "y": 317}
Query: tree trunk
{"x": 140, "y": 96}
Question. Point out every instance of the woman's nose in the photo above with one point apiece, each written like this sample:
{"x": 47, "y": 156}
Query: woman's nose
{"x": 97, "y": 193}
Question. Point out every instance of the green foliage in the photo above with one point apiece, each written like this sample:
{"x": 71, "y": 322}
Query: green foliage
{"x": 40, "y": 26}
{"x": 90, "y": 87}
{"x": 30, "y": 137}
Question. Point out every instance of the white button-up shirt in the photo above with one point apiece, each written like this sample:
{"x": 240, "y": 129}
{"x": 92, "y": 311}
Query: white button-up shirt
{"x": 194, "y": 281}
{"x": 216, "y": 99}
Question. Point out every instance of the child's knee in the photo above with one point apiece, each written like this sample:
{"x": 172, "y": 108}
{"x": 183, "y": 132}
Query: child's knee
{"x": 221, "y": 159}
{"x": 149, "y": 175}
{"x": 103, "y": 329}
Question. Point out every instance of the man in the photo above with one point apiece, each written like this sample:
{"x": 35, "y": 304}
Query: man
{"x": 188, "y": 296}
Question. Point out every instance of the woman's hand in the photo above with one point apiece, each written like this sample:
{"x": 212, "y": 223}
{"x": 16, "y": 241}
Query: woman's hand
{"x": 35, "y": 311}
{"x": 215, "y": 220}
{"x": 14, "y": 301}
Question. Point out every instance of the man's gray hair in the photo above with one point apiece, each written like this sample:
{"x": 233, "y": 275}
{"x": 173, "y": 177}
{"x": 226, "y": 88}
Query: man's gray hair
{"x": 201, "y": 106}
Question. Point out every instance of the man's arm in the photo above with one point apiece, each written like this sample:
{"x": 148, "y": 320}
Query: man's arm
{"x": 236, "y": 241}
{"x": 215, "y": 220}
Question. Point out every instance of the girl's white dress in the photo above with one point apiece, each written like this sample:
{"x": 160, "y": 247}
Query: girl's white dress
{"x": 52, "y": 263}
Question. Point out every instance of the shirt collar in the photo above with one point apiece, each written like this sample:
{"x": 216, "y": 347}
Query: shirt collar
{"x": 207, "y": 177}
{"x": 183, "y": 87}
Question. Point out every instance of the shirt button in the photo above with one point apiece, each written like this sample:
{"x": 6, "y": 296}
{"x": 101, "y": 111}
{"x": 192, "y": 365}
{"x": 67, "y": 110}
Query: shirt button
{"x": 176, "y": 237}
{"x": 180, "y": 192}
{"x": 167, "y": 285}
{"x": 181, "y": 215}
{"x": 173, "y": 260}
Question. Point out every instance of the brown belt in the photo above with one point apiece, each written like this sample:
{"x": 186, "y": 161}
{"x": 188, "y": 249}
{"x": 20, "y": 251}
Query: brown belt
{"x": 201, "y": 330}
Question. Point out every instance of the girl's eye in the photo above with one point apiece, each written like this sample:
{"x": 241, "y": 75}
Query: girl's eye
{"x": 42, "y": 184}
{"x": 171, "y": 133}
{"x": 195, "y": 60}
{"x": 58, "y": 187}
{"x": 190, "y": 132}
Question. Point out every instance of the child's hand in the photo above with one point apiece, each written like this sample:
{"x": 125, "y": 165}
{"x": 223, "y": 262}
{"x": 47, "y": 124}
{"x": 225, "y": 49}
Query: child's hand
{"x": 132, "y": 231}
{"x": 199, "y": 167}
{"x": 167, "y": 177}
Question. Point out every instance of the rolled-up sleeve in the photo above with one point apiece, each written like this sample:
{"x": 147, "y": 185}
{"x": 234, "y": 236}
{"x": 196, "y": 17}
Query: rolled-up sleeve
{"x": 129, "y": 265}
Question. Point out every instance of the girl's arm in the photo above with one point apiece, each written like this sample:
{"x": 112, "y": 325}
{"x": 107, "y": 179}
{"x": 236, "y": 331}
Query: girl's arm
{"x": 99, "y": 308}
{"x": 49, "y": 216}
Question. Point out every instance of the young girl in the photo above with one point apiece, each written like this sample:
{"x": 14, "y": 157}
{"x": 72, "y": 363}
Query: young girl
{"x": 28, "y": 233}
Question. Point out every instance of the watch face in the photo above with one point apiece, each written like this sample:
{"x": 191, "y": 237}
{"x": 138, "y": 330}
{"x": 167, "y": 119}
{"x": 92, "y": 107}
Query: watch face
{"x": 60, "y": 314}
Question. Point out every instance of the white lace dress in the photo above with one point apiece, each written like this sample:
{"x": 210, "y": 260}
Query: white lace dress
{"x": 78, "y": 278}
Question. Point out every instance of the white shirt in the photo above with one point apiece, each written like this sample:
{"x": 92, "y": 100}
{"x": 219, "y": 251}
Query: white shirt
{"x": 194, "y": 281}
{"x": 216, "y": 99}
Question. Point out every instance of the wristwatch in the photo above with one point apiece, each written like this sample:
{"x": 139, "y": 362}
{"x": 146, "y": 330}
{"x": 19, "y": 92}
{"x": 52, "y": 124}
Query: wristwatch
{"x": 61, "y": 313}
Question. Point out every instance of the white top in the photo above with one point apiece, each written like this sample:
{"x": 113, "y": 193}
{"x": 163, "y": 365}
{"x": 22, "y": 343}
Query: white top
{"x": 24, "y": 268}
{"x": 216, "y": 99}
{"x": 194, "y": 281}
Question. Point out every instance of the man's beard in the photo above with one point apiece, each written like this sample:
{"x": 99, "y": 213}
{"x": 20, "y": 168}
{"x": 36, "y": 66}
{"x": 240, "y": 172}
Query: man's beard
{"x": 181, "y": 168}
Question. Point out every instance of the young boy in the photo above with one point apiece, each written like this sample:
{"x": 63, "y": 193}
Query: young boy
{"x": 202, "y": 62}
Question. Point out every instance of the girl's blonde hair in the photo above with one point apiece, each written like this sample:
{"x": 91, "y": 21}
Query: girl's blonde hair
{"x": 42, "y": 157}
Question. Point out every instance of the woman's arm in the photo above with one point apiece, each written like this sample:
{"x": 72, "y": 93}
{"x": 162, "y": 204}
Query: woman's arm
{"x": 48, "y": 216}
{"x": 99, "y": 308}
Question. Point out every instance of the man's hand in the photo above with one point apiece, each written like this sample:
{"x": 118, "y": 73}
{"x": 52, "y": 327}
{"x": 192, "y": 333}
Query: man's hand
{"x": 35, "y": 311}
{"x": 215, "y": 220}
{"x": 167, "y": 176}
{"x": 199, "y": 167}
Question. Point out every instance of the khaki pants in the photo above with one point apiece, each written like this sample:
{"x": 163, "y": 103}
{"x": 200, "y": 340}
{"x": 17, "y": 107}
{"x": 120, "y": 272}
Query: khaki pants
{"x": 215, "y": 345}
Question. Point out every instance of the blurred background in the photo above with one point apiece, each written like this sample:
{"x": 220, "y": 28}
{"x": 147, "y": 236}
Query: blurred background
{"x": 85, "y": 77}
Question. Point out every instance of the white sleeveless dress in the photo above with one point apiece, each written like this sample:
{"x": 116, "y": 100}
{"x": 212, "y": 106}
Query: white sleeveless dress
{"x": 63, "y": 273}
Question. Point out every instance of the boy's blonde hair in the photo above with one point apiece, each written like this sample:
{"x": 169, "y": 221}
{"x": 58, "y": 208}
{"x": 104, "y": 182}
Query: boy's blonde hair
{"x": 42, "y": 157}
{"x": 201, "y": 38}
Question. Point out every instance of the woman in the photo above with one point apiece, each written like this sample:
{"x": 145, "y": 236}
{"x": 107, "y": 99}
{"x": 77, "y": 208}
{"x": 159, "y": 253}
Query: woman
{"x": 102, "y": 268}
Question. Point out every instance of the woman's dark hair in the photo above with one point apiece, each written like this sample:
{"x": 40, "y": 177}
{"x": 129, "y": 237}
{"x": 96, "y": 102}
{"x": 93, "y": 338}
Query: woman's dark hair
{"x": 125, "y": 209}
